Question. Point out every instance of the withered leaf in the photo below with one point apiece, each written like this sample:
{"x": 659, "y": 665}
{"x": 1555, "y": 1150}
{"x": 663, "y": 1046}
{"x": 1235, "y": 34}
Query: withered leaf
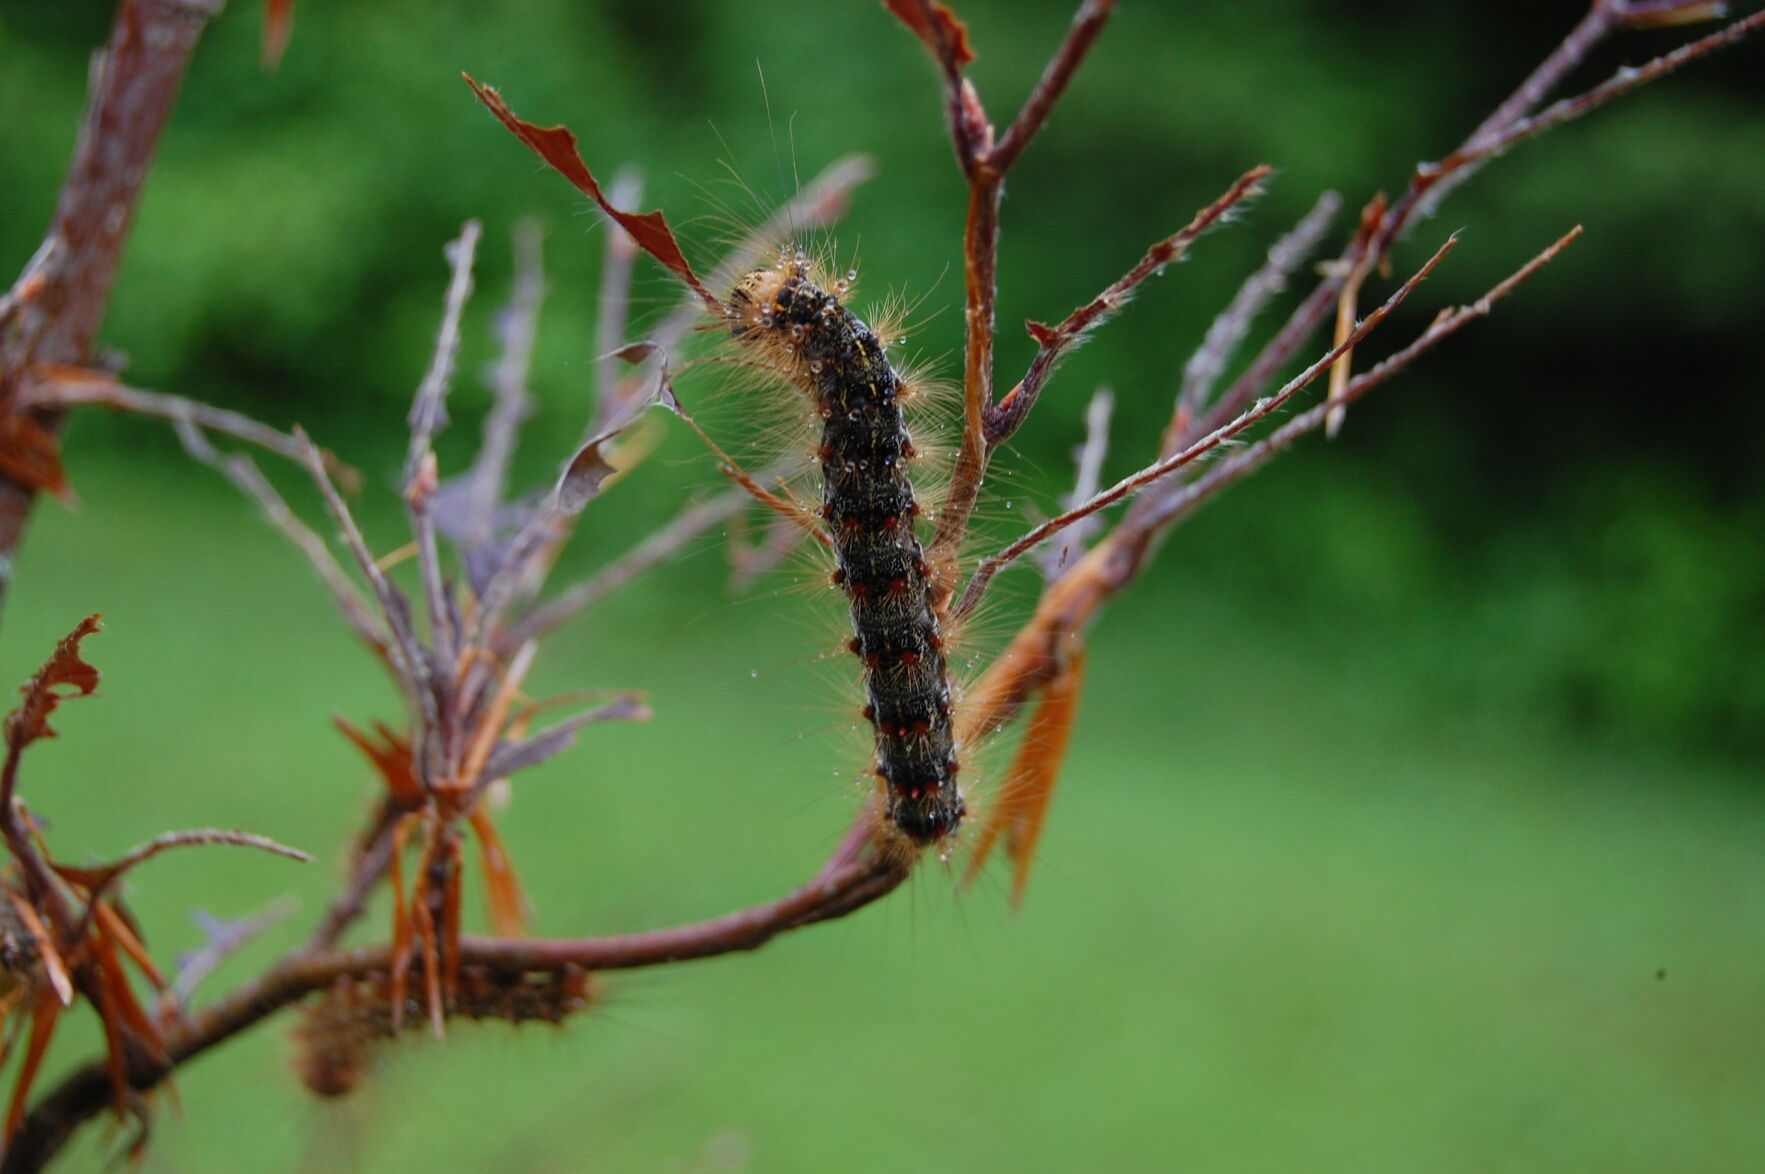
{"x": 278, "y": 26}
{"x": 30, "y": 720}
{"x": 391, "y": 756}
{"x": 639, "y": 352}
{"x": 30, "y": 454}
{"x": 557, "y": 146}
{"x": 937, "y": 26}
{"x": 583, "y": 475}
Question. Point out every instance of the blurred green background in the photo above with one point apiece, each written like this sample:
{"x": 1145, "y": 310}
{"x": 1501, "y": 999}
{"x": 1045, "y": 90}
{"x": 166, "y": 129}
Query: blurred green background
{"x": 1413, "y": 817}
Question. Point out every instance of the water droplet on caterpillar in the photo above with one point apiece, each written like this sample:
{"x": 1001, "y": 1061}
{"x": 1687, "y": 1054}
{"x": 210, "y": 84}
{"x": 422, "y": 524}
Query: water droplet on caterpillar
{"x": 815, "y": 366}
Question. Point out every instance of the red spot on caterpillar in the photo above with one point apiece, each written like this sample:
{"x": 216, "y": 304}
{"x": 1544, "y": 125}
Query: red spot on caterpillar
{"x": 908, "y": 658}
{"x": 897, "y": 586}
{"x": 838, "y": 576}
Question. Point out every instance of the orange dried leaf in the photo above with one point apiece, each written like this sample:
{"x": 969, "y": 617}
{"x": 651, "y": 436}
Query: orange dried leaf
{"x": 508, "y": 906}
{"x": 278, "y": 26}
{"x": 391, "y": 756}
{"x": 30, "y": 720}
{"x": 44, "y": 1013}
{"x": 1022, "y": 802}
{"x": 937, "y": 26}
{"x": 31, "y": 455}
{"x": 59, "y": 979}
{"x": 557, "y": 146}
{"x": 113, "y": 925}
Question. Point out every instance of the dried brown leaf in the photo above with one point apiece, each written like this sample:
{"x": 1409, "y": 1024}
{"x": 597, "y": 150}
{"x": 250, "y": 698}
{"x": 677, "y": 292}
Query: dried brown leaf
{"x": 30, "y": 454}
{"x": 278, "y": 26}
{"x": 30, "y": 720}
{"x": 391, "y": 756}
{"x": 937, "y": 26}
{"x": 557, "y": 146}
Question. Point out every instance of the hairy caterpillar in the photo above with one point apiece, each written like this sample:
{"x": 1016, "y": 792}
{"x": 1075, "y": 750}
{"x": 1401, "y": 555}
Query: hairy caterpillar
{"x": 340, "y": 1031}
{"x": 804, "y": 333}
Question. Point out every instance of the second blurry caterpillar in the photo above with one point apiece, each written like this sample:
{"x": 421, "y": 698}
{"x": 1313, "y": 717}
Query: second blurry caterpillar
{"x": 801, "y": 331}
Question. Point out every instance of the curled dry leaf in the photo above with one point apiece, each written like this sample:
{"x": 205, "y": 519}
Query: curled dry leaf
{"x": 391, "y": 756}
{"x": 30, "y": 454}
{"x": 30, "y": 720}
{"x": 278, "y": 27}
{"x": 557, "y": 146}
{"x": 937, "y": 26}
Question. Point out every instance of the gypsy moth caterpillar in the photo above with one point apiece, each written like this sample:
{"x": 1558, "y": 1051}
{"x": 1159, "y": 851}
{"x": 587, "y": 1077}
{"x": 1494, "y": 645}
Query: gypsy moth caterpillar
{"x": 804, "y": 333}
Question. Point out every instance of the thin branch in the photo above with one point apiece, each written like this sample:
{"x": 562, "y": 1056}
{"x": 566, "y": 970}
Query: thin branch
{"x": 246, "y": 477}
{"x": 135, "y": 82}
{"x": 373, "y": 855}
{"x": 1622, "y": 82}
{"x": 225, "y": 939}
{"x": 1087, "y": 23}
{"x": 1089, "y": 459}
{"x": 1004, "y": 418}
{"x": 86, "y": 1091}
{"x": 405, "y": 656}
{"x": 428, "y": 416}
{"x": 658, "y": 548}
{"x": 1374, "y": 248}
{"x": 517, "y": 327}
{"x": 1185, "y": 499}
{"x": 1203, "y": 370}
{"x": 1132, "y": 484}
{"x": 56, "y": 387}
{"x": 613, "y": 305}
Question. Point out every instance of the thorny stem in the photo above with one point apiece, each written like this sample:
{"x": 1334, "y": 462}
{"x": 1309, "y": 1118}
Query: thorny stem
{"x": 136, "y": 81}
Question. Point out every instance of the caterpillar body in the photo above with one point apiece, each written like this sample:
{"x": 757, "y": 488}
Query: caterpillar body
{"x": 868, "y": 509}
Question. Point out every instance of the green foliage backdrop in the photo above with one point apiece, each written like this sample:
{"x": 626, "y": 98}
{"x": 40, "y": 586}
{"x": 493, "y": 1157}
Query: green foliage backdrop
{"x": 1412, "y": 822}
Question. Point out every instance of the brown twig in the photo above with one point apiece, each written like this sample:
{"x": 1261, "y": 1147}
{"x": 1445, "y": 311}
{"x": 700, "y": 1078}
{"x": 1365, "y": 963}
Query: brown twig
{"x": 1483, "y": 144}
{"x": 135, "y": 83}
{"x": 86, "y": 1091}
{"x": 1184, "y": 499}
{"x": 1004, "y": 417}
{"x": 1204, "y": 368}
{"x": 1087, "y": 479}
{"x": 1135, "y": 482}
{"x": 985, "y": 165}
{"x": 55, "y": 387}
{"x": 517, "y": 329}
